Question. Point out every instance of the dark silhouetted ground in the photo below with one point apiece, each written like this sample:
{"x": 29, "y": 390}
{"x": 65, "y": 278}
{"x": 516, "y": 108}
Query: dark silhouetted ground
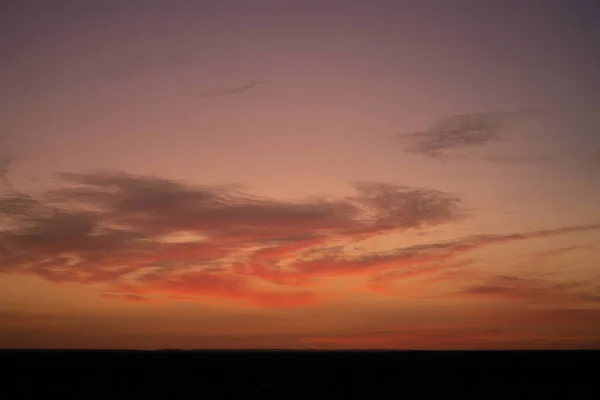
{"x": 299, "y": 375}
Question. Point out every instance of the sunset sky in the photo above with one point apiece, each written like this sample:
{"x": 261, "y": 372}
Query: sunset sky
{"x": 300, "y": 174}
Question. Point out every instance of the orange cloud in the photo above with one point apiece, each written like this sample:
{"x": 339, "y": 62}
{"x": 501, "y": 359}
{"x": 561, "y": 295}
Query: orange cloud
{"x": 196, "y": 286}
{"x": 563, "y": 250}
{"x": 533, "y": 290}
{"x": 383, "y": 282}
{"x": 109, "y": 228}
{"x": 128, "y": 297}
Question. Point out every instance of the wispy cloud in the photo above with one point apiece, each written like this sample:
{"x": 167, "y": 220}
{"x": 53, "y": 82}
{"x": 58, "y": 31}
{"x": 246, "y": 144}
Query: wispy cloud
{"x": 462, "y": 131}
{"x": 522, "y": 159}
{"x": 516, "y": 288}
{"x": 439, "y": 262}
{"x": 111, "y": 228}
{"x": 231, "y": 90}
{"x": 562, "y": 250}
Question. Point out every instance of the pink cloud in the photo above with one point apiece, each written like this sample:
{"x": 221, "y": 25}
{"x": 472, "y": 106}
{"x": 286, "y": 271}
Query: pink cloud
{"x": 105, "y": 228}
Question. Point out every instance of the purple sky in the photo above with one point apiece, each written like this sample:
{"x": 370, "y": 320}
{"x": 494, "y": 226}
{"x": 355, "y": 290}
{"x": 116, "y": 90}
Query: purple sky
{"x": 495, "y": 103}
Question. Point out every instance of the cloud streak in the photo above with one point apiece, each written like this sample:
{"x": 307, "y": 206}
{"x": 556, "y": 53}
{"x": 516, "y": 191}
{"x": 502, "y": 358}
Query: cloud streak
{"x": 231, "y": 90}
{"x": 515, "y": 288}
{"x": 521, "y": 159}
{"x": 463, "y": 131}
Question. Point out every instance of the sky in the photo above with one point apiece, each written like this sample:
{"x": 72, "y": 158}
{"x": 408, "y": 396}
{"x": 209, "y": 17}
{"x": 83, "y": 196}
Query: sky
{"x": 299, "y": 174}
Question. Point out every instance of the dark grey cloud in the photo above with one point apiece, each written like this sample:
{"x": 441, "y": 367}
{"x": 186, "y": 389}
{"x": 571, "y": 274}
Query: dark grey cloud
{"x": 158, "y": 206}
{"x": 407, "y": 207}
{"x": 462, "y": 131}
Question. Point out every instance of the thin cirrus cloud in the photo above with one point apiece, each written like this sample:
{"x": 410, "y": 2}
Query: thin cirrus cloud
{"x": 521, "y": 159}
{"x": 231, "y": 90}
{"x": 117, "y": 229}
{"x": 467, "y": 131}
{"x": 511, "y": 287}
{"x": 439, "y": 262}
